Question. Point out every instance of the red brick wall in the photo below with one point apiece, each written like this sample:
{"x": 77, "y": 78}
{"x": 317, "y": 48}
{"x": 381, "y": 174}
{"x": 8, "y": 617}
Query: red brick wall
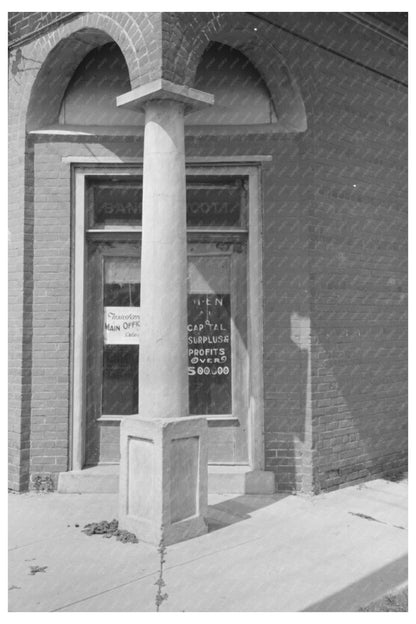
{"x": 51, "y": 314}
{"x": 19, "y": 341}
{"x": 359, "y": 273}
{"x": 334, "y": 273}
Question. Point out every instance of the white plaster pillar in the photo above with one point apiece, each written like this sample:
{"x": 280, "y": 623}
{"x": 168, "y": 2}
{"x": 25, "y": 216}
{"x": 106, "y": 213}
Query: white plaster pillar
{"x": 163, "y": 364}
{"x": 164, "y": 459}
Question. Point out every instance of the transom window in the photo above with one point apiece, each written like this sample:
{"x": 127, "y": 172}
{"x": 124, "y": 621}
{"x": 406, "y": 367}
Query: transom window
{"x": 117, "y": 202}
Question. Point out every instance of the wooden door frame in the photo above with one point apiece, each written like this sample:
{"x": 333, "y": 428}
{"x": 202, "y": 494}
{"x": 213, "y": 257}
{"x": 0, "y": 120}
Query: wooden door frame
{"x": 198, "y": 167}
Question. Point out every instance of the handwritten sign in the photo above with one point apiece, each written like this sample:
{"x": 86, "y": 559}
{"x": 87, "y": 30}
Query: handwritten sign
{"x": 209, "y": 353}
{"x": 121, "y": 325}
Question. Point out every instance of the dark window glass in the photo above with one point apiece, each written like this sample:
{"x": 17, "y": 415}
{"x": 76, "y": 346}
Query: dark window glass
{"x": 213, "y": 205}
{"x": 114, "y": 202}
{"x": 117, "y": 294}
{"x": 120, "y": 379}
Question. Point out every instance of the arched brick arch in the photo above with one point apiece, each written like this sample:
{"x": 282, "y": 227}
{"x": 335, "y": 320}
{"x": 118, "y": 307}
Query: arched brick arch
{"x": 239, "y": 32}
{"x": 59, "y": 53}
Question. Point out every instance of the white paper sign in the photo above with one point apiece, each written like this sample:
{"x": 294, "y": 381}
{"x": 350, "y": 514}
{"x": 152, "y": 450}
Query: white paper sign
{"x": 121, "y": 325}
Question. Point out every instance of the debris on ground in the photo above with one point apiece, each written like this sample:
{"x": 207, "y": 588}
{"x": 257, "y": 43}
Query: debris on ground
{"x": 392, "y": 602}
{"x": 110, "y": 529}
{"x": 35, "y": 569}
{"x": 396, "y": 477}
{"x": 42, "y": 483}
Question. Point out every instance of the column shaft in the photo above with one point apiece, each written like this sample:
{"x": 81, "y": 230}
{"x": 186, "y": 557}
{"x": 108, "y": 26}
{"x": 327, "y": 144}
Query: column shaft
{"x": 163, "y": 378}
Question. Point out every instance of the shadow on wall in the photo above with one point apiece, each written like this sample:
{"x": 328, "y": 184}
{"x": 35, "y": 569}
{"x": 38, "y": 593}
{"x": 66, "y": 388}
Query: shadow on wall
{"x": 345, "y": 413}
{"x": 359, "y": 402}
{"x": 288, "y": 396}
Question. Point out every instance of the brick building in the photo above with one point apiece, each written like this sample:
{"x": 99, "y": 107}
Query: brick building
{"x": 296, "y": 231}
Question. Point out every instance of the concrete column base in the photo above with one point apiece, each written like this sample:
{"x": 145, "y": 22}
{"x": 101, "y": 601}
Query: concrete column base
{"x": 163, "y": 478}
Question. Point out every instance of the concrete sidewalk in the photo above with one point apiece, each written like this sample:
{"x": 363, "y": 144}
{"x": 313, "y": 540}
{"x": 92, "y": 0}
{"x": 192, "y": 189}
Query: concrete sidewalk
{"x": 335, "y": 552}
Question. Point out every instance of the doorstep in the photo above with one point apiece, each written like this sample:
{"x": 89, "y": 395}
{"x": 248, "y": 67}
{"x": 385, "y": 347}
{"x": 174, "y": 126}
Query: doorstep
{"x": 239, "y": 480}
{"x": 221, "y": 480}
{"x": 94, "y": 480}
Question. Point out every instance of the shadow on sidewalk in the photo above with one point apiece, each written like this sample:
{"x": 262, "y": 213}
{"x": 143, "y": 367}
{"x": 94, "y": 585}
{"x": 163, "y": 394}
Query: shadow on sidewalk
{"x": 237, "y": 509}
{"x": 378, "y": 583}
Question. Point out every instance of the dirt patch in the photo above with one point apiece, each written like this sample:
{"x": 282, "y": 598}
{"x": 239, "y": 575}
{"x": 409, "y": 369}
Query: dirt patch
{"x": 35, "y": 569}
{"x": 396, "y": 477}
{"x": 110, "y": 529}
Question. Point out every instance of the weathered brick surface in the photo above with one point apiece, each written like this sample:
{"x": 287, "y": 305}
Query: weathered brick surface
{"x": 358, "y": 250}
{"x": 334, "y": 246}
{"x": 51, "y": 315}
{"x": 28, "y": 25}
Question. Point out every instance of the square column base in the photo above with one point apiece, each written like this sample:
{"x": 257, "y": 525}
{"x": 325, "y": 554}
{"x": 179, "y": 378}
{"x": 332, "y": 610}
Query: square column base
{"x": 163, "y": 478}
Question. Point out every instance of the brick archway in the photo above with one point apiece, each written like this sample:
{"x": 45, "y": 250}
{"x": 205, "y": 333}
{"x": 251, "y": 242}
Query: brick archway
{"x": 60, "y": 52}
{"x": 239, "y": 32}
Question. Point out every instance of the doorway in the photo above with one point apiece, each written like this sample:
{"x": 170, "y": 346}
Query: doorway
{"x": 222, "y": 340}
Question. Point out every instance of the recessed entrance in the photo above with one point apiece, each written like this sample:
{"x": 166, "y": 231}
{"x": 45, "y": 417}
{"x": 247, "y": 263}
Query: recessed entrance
{"x": 221, "y": 340}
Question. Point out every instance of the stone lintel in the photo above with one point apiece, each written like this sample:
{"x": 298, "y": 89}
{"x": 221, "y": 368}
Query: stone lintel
{"x": 165, "y": 90}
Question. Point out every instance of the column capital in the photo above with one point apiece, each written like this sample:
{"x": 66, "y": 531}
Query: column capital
{"x": 165, "y": 90}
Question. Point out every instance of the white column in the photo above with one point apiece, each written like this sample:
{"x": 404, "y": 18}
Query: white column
{"x": 164, "y": 459}
{"x": 163, "y": 373}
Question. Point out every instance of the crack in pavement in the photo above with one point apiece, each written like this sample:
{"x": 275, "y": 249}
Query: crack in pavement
{"x": 155, "y": 572}
{"x": 365, "y": 517}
